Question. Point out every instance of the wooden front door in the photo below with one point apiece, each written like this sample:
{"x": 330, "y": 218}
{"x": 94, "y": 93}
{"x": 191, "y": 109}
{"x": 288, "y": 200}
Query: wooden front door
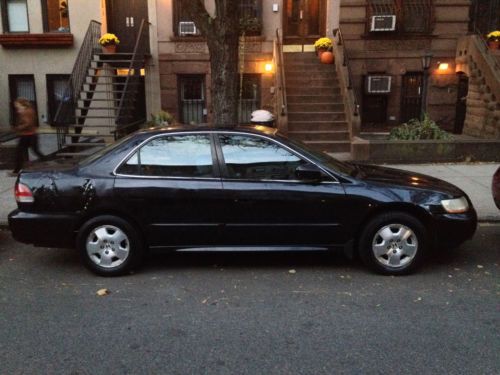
{"x": 124, "y": 19}
{"x": 411, "y": 96}
{"x": 304, "y": 20}
{"x": 461, "y": 106}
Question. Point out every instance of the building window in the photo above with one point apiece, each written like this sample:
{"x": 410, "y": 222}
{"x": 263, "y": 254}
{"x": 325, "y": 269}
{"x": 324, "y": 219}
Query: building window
{"x": 21, "y": 86}
{"x": 249, "y": 97}
{"x": 250, "y": 15}
{"x": 15, "y": 16}
{"x": 57, "y": 93}
{"x": 412, "y": 16}
{"x": 55, "y": 16}
{"x": 192, "y": 99}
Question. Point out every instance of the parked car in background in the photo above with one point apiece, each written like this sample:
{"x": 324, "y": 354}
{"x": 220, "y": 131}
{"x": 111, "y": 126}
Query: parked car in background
{"x": 243, "y": 188}
{"x": 495, "y": 187}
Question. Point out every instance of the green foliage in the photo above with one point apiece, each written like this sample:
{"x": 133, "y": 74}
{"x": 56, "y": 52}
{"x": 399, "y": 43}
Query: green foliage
{"x": 162, "y": 118}
{"x": 415, "y": 130}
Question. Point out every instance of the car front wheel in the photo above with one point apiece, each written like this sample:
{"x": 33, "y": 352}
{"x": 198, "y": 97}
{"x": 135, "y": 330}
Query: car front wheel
{"x": 109, "y": 246}
{"x": 393, "y": 243}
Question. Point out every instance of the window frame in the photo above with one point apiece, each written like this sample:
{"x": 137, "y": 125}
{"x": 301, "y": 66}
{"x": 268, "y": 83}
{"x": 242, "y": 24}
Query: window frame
{"x": 49, "y": 84}
{"x": 181, "y": 78}
{"x": 12, "y": 80}
{"x": 5, "y": 18}
{"x": 45, "y": 19}
{"x": 215, "y": 162}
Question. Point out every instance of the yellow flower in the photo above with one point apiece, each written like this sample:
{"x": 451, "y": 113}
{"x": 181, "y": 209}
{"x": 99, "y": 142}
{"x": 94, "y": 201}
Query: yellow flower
{"x": 494, "y": 35}
{"x": 108, "y": 39}
{"x": 323, "y": 43}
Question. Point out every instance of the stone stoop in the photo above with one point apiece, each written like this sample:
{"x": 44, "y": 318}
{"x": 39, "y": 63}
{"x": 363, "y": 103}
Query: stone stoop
{"x": 316, "y": 113}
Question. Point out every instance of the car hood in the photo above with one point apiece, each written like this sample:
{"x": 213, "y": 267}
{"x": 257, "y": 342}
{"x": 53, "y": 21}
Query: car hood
{"x": 397, "y": 177}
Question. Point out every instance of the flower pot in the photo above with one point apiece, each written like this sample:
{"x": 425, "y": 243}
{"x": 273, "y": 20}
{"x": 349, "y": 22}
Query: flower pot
{"x": 327, "y": 57}
{"x": 110, "y": 48}
{"x": 320, "y": 51}
{"x": 494, "y": 44}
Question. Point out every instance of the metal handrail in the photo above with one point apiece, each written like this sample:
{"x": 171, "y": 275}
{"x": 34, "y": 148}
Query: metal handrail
{"x": 281, "y": 66}
{"x": 345, "y": 63}
{"x": 65, "y": 113}
{"x": 130, "y": 88}
{"x": 482, "y": 44}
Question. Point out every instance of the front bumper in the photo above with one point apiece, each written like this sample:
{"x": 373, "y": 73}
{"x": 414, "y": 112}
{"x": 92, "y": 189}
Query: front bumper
{"x": 451, "y": 230}
{"x": 49, "y": 230}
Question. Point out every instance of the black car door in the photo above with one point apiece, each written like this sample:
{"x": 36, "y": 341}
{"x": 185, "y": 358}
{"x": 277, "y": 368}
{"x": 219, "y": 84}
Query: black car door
{"x": 269, "y": 204}
{"x": 172, "y": 185}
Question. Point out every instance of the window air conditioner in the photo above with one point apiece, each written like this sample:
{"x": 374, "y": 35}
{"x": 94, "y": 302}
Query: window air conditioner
{"x": 383, "y": 23}
{"x": 378, "y": 84}
{"x": 187, "y": 28}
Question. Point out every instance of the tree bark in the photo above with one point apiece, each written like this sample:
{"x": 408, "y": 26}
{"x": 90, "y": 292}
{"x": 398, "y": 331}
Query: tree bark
{"x": 222, "y": 33}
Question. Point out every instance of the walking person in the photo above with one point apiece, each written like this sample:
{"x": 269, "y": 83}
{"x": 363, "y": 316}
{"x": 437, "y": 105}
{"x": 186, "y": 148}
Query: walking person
{"x": 26, "y": 128}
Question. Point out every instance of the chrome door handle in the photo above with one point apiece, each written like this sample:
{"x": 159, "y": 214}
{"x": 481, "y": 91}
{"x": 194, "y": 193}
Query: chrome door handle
{"x": 301, "y": 14}
{"x": 127, "y": 21}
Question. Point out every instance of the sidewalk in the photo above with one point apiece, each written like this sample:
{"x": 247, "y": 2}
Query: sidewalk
{"x": 473, "y": 178}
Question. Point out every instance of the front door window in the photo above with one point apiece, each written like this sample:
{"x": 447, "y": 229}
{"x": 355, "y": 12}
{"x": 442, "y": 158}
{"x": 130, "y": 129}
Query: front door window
{"x": 304, "y": 19}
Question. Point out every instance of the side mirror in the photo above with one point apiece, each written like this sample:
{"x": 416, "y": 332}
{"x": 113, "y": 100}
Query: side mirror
{"x": 308, "y": 172}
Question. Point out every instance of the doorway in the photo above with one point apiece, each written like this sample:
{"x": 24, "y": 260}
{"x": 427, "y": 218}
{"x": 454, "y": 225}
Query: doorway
{"x": 461, "y": 106}
{"x": 411, "y": 96}
{"x": 124, "y": 19}
{"x": 304, "y": 21}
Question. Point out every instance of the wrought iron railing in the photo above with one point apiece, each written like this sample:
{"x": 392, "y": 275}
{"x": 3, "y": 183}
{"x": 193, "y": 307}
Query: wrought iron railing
{"x": 65, "y": 114}
{"x": 346, "y": 64}
{"x": 126, "y": 116}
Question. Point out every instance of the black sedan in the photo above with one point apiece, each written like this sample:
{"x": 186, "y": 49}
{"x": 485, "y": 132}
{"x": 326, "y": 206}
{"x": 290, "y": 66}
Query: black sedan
{"x": 240, "y": 189}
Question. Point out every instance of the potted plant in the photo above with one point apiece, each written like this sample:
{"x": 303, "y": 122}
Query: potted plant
{"x": 494, "y": 39}
{"x": 109, "y": 42}
{"x": 323, "y": 45}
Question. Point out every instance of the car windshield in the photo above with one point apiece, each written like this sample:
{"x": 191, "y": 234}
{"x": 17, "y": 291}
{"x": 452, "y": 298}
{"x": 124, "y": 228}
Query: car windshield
{"x": 324, "y": 158}
{"x": 102, "y": 152}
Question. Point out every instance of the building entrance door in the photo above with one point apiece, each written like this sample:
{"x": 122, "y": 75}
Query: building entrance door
{"x": 411, "y": 96}
{"x": 304, "y": 21}
{"x": 124, "y": 19}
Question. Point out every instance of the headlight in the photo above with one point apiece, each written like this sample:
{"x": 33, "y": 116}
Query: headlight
{"x": 455, "y": 206}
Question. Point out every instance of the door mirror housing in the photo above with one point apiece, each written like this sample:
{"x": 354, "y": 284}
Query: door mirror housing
{"x": 309, "y": 172}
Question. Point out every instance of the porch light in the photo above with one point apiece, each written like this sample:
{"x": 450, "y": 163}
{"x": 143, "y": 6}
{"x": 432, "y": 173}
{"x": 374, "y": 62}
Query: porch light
{"x": 443, "y": 66}
{"x": 268, "y": 67}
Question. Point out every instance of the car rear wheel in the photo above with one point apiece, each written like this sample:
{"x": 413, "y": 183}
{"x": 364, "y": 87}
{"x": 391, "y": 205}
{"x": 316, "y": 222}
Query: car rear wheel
{"x": 109, "y": 246}
{"x": 393, "y": 243}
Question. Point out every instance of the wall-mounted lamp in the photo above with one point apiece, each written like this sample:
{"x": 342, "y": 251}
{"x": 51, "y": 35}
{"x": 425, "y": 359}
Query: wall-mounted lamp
{"x": 443, "y": 66}
{"x": 268, "y": 67}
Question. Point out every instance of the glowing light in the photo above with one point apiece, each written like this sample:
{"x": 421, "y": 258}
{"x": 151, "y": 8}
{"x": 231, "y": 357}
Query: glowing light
{"x": 268, "y": 67}
{"x": 443, "y": 66}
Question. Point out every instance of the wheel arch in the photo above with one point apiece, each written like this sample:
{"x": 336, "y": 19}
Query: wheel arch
{"x": 416, "y": 211}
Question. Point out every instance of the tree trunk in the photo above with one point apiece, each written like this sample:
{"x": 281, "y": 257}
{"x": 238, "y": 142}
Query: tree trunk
{"x": 222, "y": 33}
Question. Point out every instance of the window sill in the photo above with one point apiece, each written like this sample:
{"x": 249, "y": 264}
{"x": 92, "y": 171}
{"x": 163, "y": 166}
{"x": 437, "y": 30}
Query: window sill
{"x": 27, "y": 40}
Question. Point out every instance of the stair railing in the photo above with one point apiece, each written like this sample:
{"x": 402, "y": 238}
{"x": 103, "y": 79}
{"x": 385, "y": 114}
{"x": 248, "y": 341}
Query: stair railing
{"x": 65, "y": 114}
{"x": 350, "y": 94}
{"x": 280, "y": 70}
{"x": 125, "y": 119}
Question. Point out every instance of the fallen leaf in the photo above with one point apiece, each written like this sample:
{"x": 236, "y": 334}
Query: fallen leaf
{"x": 103, "y": 292}
{"x": 292, "y": 271}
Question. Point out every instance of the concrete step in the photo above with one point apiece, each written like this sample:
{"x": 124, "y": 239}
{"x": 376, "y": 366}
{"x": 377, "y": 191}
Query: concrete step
{"x": 316, "y": 116}
{"x": 317, "y": 135}
{"x": 311, "y": 82}
{"x": 300, "y": 68}
{"x": 305, "y": 99}
{"x": 305, "y": 90}
{"x": 317, "y": 126}
{"x": 315, "y": 107}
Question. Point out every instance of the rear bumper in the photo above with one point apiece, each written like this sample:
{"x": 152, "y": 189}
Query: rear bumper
{"x": 50, "y": 230}
{"x": 451, "y": 230}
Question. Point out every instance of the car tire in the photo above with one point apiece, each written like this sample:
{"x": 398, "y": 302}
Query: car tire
{"x": 393, "y": 243}
{"x": 109, "y": 246}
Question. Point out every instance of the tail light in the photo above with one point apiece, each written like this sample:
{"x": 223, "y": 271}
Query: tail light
{"x": 23, "y": 194}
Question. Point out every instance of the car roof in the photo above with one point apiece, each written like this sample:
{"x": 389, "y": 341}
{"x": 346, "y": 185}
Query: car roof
{"x": 257, "y": 129}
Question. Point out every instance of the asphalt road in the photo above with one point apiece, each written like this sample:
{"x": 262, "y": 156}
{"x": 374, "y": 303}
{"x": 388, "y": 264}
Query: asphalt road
{"x": 233, "y": 313}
